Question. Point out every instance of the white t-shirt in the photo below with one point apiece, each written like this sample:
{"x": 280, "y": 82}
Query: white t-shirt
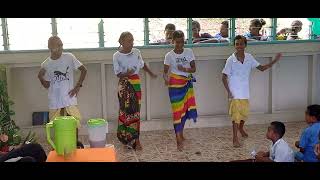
{"x": 122, "y": 62}
{"x": 239, "y": 74}
{"x": 173, "y": 60}
{"x": 280, "y": 151}
{"x": 60, "y": 74}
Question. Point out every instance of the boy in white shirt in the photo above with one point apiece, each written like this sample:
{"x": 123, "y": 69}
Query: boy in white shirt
{"x": 235, "y": 77}
{"x": 280, "y": 151}
{"x": 56, "y": 75}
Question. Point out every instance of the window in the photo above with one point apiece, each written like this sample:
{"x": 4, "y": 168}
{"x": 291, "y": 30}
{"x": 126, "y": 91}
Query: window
{"x": 211, "y": 25}
{"x": 157, "y": 27}
{"x": 243, "y": 24}
{"x": 28, "y": 33}
{"x": 286, "y": 23}
{"x": 33, "y": 33}
{"x": 78, "y": 32}
{"x": 113, "y": 27}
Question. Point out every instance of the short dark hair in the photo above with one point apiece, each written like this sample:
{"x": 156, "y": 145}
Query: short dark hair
{"x": 226, "y": 23}
{"x": 238, "y": 37}
{"x": 170, "y": 27}
{"x": 177, "y": 34}
{"x": 279, "y": 128}
{"x": 314, "y": 110}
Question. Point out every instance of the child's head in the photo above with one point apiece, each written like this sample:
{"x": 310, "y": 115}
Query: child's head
{"x": 240, "y": 43}
{"x": 312, "y": 114}
{"x": 178, "y": 39}
{"x": 126, "y": 40}
{"x": 256, "y": 25}
{"x": 224, "y": 29}
{"x": 195, "y": 27}
{"x": 168, "y": 30}
{"x": 276, "y": 130}
{"x": 55, "y": 46}
{"x": 296, "y": 26}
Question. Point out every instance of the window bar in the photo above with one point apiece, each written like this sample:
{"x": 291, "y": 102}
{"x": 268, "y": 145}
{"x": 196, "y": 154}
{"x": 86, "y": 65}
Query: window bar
{"x": 274, "y": 29}
{"x": 311, "y": 35}
{"x": 54, "y": 27}
{"x": 5, "y": 34}
{"x": 189, "y": 30}
{"x": 146, "y": 31}
{"x": 101, "y": 33}
{"x": 232, "y": 29}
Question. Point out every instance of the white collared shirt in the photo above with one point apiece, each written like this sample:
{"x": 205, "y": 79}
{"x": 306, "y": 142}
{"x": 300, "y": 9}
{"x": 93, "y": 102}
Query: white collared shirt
{"x": 239, "y": 74}
{"x": 280, "y": 151}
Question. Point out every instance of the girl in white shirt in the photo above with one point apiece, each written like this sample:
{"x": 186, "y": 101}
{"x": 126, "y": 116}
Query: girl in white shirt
{"x": 181, "y": 62}
{"x": 127, "y": 63}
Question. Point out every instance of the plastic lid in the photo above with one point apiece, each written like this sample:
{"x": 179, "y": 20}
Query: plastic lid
{"x": 96, "y": 122}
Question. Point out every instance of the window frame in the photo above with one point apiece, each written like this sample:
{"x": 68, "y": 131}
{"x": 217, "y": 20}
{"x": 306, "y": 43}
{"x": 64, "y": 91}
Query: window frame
{"x": 101, "y": 40}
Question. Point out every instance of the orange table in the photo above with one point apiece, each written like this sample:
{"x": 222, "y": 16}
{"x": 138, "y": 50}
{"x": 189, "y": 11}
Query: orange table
{"x": 106, "y": 154}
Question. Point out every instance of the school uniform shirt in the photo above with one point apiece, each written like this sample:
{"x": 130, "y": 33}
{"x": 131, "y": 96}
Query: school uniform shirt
{"x": 260, "y": 37}
{"x": 220, "y": 37}
{"x": 173, "y": 60}
{"x": 239, "y": 74}
{"x": 280, "y": 151}
{"x": 60, "y": 74}
{"x": 309, "y": 138}
{"x": 124, "y": 61}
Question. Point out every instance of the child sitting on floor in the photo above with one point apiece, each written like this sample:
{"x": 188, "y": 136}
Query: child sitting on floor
{"x": 310, "y": 136}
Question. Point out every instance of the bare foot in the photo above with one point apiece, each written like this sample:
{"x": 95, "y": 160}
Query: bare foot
{"x": 179, "y": 146}
{"x": 137, "y": 146}
{"x": 244, "y": 134}
{"x": 183, "y": 138}
{"x": 236, "y": 143}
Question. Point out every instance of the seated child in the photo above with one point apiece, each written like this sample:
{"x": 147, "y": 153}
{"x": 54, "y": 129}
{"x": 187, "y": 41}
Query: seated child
{"x": 168, "y": 31}
{"x": 317, "y": 149}
{"x": 24, "y": 153}
{"x": 279, "y": 151}
{"x": 222, "y": 36}
{"x": 290, "y": 33}
{"x": 201, "y": 38}
{"x": 254, "y": 30}
{"x": 310, "y": 136}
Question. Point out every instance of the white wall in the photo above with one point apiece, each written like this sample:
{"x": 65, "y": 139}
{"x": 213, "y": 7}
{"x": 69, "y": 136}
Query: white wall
{"x": 292, "y": 83}
{"x": 284, "y": 88}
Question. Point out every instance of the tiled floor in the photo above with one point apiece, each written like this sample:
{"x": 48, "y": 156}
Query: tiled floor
{"x": 202, "y": 144}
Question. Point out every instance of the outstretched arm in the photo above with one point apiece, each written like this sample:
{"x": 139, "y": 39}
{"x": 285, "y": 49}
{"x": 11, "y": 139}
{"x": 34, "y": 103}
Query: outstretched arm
{"x": 147, "y": 69}
{"x": 269, "y": 65}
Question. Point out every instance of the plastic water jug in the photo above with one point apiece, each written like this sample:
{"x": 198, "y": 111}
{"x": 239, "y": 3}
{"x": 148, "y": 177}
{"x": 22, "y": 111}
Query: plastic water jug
{"x": 97, "y": 130}
{"x": 65, "y": 140}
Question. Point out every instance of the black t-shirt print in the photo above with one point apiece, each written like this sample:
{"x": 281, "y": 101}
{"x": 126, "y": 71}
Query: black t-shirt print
{"x": 60, "y": 76}
{"x": 181, "y": 60}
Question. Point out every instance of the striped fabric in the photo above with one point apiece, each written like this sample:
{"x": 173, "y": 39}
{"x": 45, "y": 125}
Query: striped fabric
{"x": 182, "y": 100}
{"x": 136, "y": 83}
